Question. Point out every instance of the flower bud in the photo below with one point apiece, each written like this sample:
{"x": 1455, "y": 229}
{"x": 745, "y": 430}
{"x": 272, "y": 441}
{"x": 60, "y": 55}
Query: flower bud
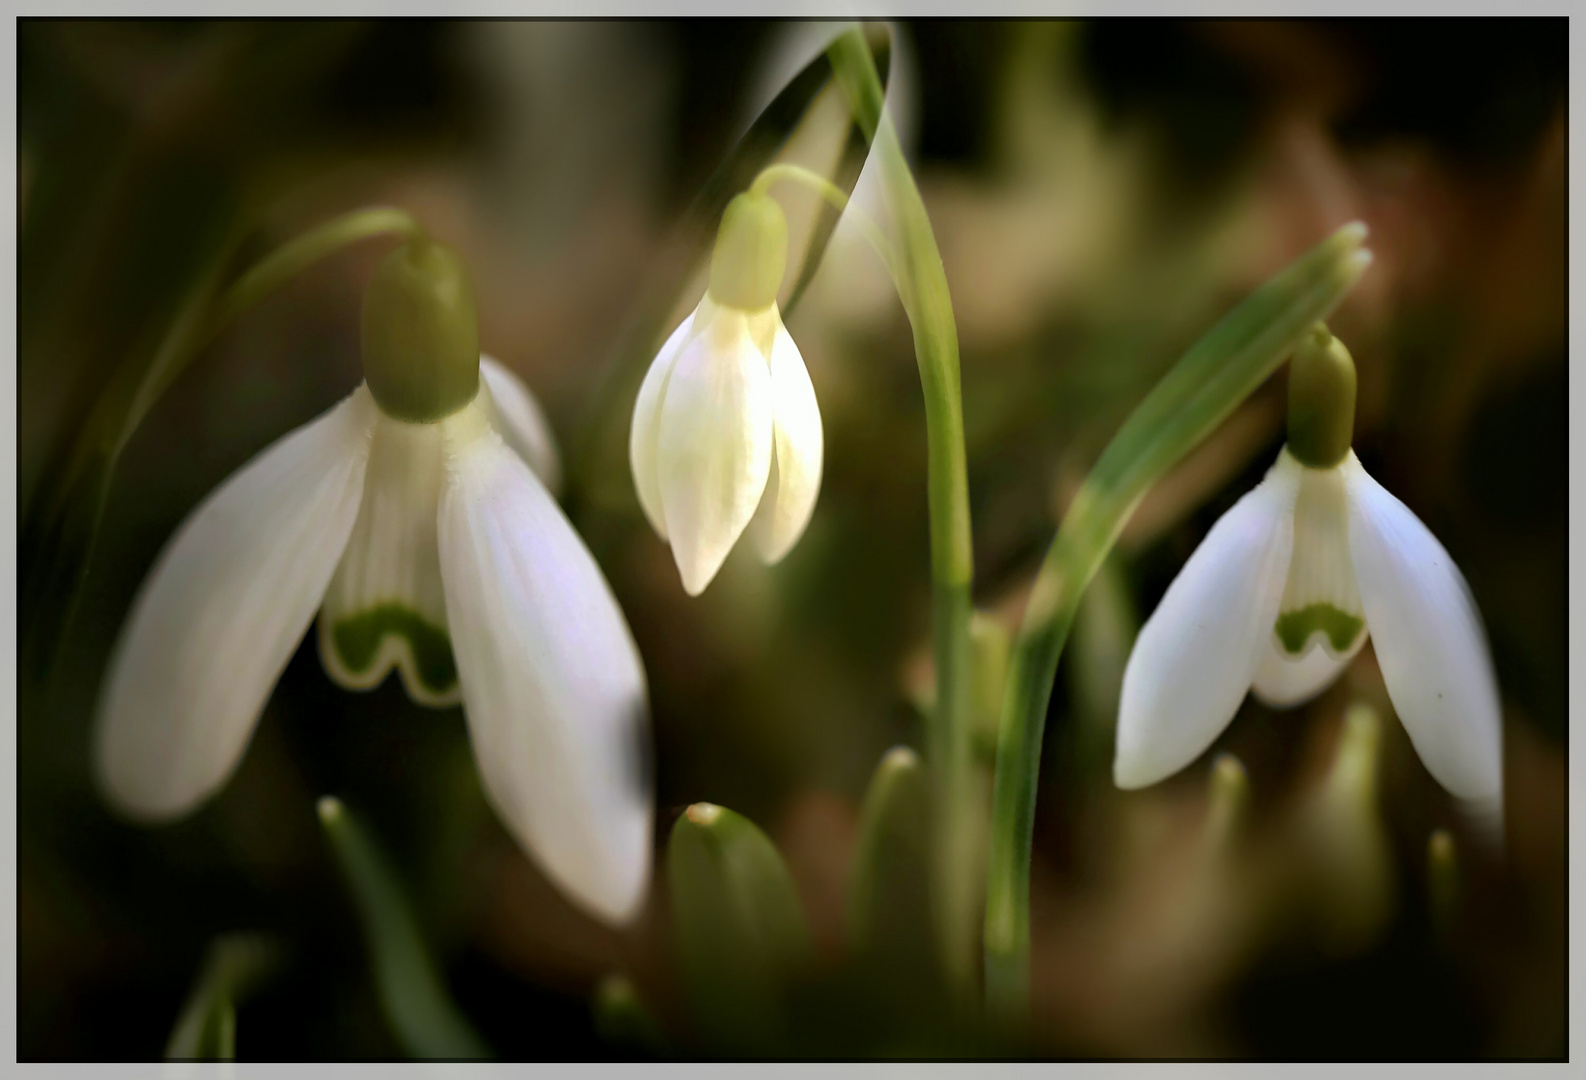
{"x": 1321, "y": 400}
{"x": 751, "y": 253}
{"x": 738, "y": 928}
{"x": 421, "y": 333}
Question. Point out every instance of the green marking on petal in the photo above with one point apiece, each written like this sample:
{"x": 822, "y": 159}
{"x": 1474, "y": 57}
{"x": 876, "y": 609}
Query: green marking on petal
{"x": 358, "y": 643}
{"x": 1296, "y": 627}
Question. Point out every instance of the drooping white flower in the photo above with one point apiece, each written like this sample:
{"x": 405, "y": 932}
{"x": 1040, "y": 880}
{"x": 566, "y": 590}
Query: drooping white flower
{"x": 726, "y": 431}
{"x": 430, "y": 546}
{"x": 1285, "y": 590}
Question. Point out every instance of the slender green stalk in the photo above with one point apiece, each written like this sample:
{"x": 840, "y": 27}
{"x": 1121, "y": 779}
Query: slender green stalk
{"x": 1207, "y": 383}
{"x": 264, "y": 278}
{"x": 837, "y": 198}
{"x": 916, "y": 267}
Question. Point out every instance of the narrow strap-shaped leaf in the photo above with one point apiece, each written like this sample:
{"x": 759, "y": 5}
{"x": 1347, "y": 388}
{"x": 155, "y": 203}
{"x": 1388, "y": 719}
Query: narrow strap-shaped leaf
{"x": 234, "y": 965}
{"x": 412, "y": 993}
{"x": 888, "y": 906}
{"x": 1104, "y": 631}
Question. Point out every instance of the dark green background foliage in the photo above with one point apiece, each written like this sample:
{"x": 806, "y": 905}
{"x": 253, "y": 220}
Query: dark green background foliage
{"x": 1101, "y": 194}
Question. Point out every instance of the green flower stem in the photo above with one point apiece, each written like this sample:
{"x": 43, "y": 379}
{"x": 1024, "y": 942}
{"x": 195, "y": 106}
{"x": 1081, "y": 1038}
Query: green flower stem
{"x": 264, "y": 278}
{"x": 69, "y": 516}
{"x": 916, "y": 267}
{"x": 412, "y": 994}
{"x": 1206, "y": 384}
{"x": 838, "y": 198}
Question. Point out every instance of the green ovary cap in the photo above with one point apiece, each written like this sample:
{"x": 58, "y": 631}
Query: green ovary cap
{"x": 751, "y": 253}
{"x": 421, "y": 333}
{"x": 1321, "y": 400}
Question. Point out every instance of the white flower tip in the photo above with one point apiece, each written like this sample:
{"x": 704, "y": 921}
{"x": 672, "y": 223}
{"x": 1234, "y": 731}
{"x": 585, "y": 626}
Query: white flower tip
{"x": 1132, "y": 769}
{"x": 619, "y": 905}
{"x": 330, "y": 809}
{"x": 697, "y": 569}
{"x": 133, "y": 797}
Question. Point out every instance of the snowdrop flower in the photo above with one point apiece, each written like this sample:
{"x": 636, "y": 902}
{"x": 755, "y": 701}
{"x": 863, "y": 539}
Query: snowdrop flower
{"x": 1284, "y": 591}
{"x": 409, "y": 519}
{"x": 726, "y": 433}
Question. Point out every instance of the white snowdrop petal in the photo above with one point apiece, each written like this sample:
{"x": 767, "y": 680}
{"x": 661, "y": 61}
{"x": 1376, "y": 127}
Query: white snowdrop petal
{"x": 222, "y": 611}
{"x": 797, "y": 453}
{"x": 552, "y": 683}
{"x": 645, "y": 432}
{"x": 1197, "y": 654}
{"x": 1429, "y": 640}
{"x": 516, "y": 413}
{"x": 386, "y": 607}
{"x": 714, "y": 444}
{"x": 1283, "y": 681}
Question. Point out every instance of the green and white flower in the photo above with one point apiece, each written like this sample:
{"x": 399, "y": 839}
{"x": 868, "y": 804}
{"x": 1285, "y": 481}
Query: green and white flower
{"x": 415, "y": 519}
{"x": 726, "y": 432}
{"x": 1285, "y": 590}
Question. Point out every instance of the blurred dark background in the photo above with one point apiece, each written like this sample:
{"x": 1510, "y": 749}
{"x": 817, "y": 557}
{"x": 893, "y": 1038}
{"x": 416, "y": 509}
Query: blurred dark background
{"x": 1101, "y": 192}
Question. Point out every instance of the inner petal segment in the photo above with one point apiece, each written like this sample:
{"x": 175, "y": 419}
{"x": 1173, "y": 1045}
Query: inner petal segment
{"x": 1321, "y": 604}
{"x": 385, "y": 607}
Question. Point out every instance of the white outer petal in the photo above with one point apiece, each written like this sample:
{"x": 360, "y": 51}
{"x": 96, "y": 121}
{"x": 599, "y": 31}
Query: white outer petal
{"x": 1197, "y": 654}
{"x": 518, "y": 416}
{"x": 714, "y": 444}
{"x": 1429, "y": 641}
{"x": 645, "y": 432}
{"x": 1283, "y": 681}
{"x": 223, "y": 610}
{"x": 552, "y": 682}
{"x": 798, "y": 450}
{"x": 391, "y": 561}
